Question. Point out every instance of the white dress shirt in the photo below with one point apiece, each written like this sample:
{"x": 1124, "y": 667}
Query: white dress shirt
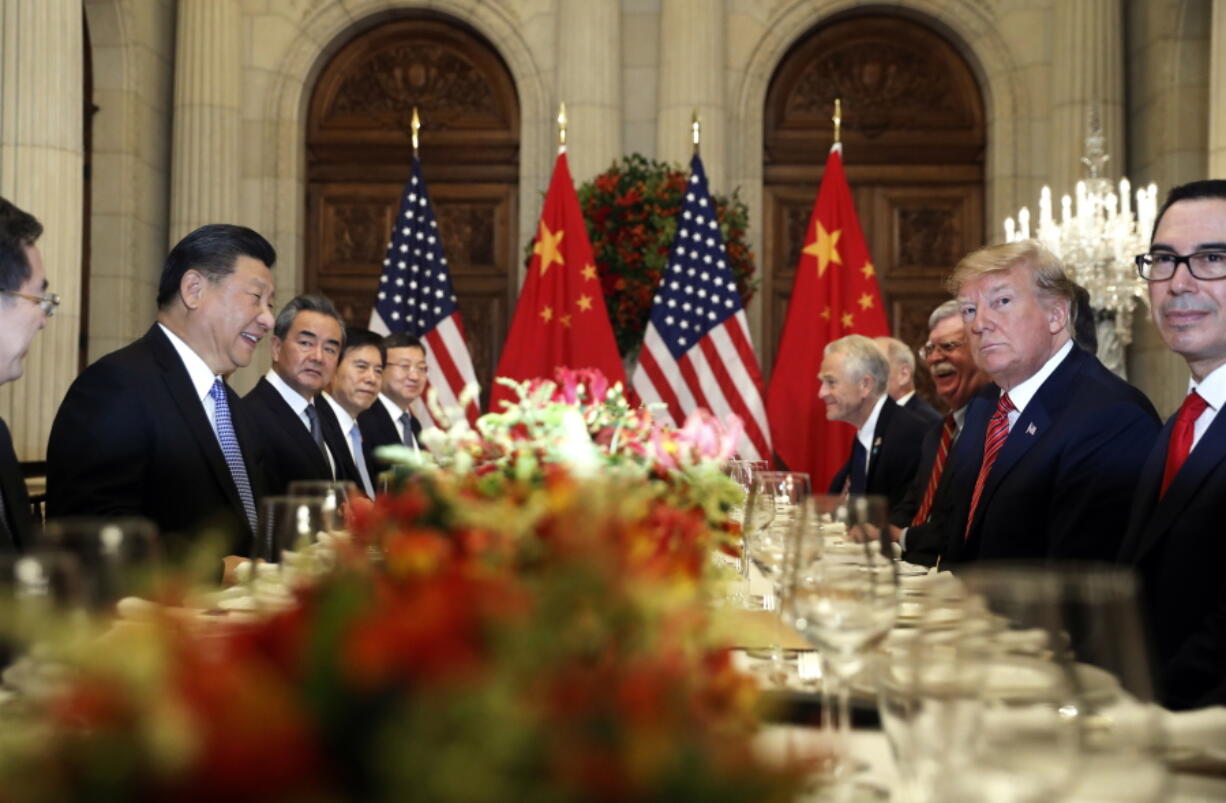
{"x": 865, "y": 433}
{"x": 1024, "y": 391}
{"x": 299, "y": 405}
{"x": 1213, "y": 390}
{"x": 198, "y": 371}
{"x": 902, "y": 400}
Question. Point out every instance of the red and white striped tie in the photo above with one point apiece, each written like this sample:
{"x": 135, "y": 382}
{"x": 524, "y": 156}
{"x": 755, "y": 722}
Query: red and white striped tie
{"x": 998, "y": 430}
{"x": 938, "y": 468}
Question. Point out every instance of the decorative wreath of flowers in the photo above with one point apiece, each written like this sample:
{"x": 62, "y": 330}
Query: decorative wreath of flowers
{"x": 631, "y": 212}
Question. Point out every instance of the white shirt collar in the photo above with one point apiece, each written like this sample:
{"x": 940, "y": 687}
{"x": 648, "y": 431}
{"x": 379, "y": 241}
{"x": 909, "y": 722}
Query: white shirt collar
{"x": 1024, "y": 391}
{"x": 1212, "y": 388}
{"x": 960, "y": 417}
{"x": 292, "y": 397}
{"x": 342, "y": 415}
{"x": 865, "y": 433}
{"x": 902, "y": 400}
{"x": 198, "y": 371}
{"x": 393, "y": 409}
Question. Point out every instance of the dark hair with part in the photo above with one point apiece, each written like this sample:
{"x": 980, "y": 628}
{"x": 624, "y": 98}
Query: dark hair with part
{"x": 356, "y": 337}
{"x": 306, "y": 302}
{"x": 18, "y": 230}
{"x": 403, "y": 340}
{"x": 211, "y": 250}
{"x": 1192, "y": 191}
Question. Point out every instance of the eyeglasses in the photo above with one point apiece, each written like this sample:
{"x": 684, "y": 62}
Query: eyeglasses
{"x": 47, "y": 302}
{"x": 948, "y": 347}
{"x": 1207, "y": 266}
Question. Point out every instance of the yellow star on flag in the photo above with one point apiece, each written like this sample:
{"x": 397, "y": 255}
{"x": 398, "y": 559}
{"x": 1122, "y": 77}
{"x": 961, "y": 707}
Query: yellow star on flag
{"x": 547, "y": 247}
{"x": 825, "y": 248}
{"x": 589, "y": 272}
{"x": 565, "y": 320}
{"x": 868, "y": 270}
{"x": 866, "y": 301}
{"x": 826, "y": 313}
{"x": 547, "y": 314}
{"x": 584, "y": 302}
{"x": 848, "y": 322}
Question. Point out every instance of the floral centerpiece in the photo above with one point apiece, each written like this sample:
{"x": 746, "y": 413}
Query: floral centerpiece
{"x": 631, "y": 212}
{"x": 532, "y": 627}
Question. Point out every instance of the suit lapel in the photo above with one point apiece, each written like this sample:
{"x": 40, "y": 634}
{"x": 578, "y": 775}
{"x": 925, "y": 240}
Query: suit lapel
{"x": 293, "y": 426}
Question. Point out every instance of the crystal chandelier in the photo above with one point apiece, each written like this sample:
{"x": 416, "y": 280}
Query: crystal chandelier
{"x": 1098, "y": 235}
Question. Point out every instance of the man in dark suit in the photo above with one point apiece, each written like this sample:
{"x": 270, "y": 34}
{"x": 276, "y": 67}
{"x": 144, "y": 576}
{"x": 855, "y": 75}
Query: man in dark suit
{"x": 901, "y": 385}
{"x": 885, "y": 453}
{"x": 302, "y": 439}
{"x": 1051, "y": 451}
{"x": 25, "y": 306}
{"x": 152, "y": 429}
{"x": 918, "y": 522}
{"x": 1175, "y": 533}
{"x": 390, "y": 421}
{"x": 353, "y": 390}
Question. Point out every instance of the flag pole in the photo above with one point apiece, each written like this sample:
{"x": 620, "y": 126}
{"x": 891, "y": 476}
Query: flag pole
{"x": 562, "y": 128}
{"x": 838, "y": 120}
{"x": 695, "y": 130}
{"x": 415, "y": 127}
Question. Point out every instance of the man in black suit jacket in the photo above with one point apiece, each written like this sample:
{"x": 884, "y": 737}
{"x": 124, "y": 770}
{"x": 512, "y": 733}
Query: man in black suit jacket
{"x": 404, "y": 381}
{"x": 853, "y": 376}
{"x": 25, "y": 306}
{"x": 901, "y": 385}
{"x": 302, "y": 439}
{"x": 1051, "y": 451}
{"x": 1174, "y": 534}
{"x": 918, "y": 522}
{"x": 152, "y": 429}
{"x": 353, "y": 390}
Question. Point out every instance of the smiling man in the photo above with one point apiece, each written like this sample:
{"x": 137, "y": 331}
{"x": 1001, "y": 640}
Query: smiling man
{"x": 354, "y": 388}
{"x": 1175, "y": 532}
{"x": 390, "y": 420}
{"x": 302, "y": 438}
{"x": 25, "y": 306}
{"x": 1052, "y": 449}
{"x": 153, "y": 429}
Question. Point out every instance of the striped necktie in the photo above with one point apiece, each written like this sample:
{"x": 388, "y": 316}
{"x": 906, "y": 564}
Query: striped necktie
{"x": 230, "y": 449}
{"x": 938, "y": 468}
{"x": 998, "y": 431}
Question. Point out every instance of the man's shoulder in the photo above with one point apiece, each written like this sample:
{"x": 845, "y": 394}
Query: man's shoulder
{"x": 134, "y": 363}
{"x": 905, "y": 423}
{"x": 1096, "y": 388}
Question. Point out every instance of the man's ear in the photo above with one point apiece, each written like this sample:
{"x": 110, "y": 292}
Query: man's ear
{"x": 274, "y": 344}
{"x": 191, "y": 288}
{"x": 1058, "y": 315}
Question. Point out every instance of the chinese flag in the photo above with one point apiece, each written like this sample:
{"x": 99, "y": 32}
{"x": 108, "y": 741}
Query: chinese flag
{"x": 560, "y": 319}
{"x": 835, "y": 294}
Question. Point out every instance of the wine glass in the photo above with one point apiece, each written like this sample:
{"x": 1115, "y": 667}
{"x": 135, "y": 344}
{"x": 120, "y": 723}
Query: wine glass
{"x": 118, "y": 557}
{"x": 335, "y": 495}
{"x": 41, "y": 597}
{"x": 843, "y": 595}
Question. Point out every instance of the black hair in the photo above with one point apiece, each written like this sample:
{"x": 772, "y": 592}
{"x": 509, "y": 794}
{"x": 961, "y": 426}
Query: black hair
{"x": 1192, "y": 191}
{"x": 18, "y": 231}
{"x": 356, "y": 337}
{"x": 403, "y": 340}
{"x": 212, "y": 250}
{"x": 306, "y": 302}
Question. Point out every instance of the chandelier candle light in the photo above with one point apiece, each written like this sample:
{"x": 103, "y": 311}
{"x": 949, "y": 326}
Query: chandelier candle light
{"x": 1098, "y": 236}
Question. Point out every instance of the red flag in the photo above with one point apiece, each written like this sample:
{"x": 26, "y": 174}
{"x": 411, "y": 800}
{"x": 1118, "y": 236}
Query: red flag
{"x": 560, "y": 319}
{"x": 835, "y": 294}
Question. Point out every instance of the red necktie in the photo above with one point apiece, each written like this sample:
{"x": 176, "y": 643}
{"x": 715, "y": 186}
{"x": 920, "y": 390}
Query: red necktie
{"x": 938, "y": 468}
{"x": 998, "y": 430}
{"x": 1181, "y": 437}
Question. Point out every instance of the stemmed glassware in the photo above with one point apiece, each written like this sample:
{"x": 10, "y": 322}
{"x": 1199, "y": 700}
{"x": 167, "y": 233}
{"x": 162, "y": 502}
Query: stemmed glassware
{"x": 117, "y": 557}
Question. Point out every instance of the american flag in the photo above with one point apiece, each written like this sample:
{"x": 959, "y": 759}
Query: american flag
{"x": 415, "y": 296}
{"x": 697, "y": 352}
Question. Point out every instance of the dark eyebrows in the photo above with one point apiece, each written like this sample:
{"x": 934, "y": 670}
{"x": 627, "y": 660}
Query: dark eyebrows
{"x": 1214, "y": 246}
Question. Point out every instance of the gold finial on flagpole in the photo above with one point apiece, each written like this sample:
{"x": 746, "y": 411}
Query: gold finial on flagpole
{"x": 562, "y": 128}
{"x": 695, "y": 130}
{"x": 838, "y": 119}
{"x": 415, "y": 126}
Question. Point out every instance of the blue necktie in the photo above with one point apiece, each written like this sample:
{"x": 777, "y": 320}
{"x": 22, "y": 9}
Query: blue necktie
{"x": 406, "y": 422}
{"x": 231, "y": 450}
{"x": 355, "y": 437}
{"x": 859, "y": 468}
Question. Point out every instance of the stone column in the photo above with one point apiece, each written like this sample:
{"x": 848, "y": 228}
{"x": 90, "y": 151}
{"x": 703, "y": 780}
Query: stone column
{"x": 1087, "y": 72}
{"x": 41, "y": 171}
{"x": 692, "y": 56}
{"x": 589, "y": 81}
{"x": 1217, "y": 86}
{"x": 206, "y": 159}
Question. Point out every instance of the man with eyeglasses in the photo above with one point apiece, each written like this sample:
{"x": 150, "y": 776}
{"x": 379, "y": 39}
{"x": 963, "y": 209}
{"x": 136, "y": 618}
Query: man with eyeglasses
{"x": 917, "y": 523}
{"x": 390, "y": 421}
{"x": 25, "y": 306}
{"x": 1175, "y": 534}
{"x": 1051, "y": 450}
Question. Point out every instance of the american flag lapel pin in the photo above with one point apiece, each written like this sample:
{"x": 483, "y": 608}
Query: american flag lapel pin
{"x": 1030, "y": 430}
{"x": 876, "y": 445}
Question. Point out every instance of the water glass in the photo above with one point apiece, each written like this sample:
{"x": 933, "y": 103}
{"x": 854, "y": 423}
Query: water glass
{"x": 117, "y": 557}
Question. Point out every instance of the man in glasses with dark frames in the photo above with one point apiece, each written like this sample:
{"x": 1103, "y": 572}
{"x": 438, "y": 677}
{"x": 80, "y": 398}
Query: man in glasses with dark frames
{"x": 1175, "y": 535}
{"x": 25, "y": 306}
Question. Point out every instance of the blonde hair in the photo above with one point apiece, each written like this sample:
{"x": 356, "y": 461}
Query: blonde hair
{"x": 1051, "y": 283}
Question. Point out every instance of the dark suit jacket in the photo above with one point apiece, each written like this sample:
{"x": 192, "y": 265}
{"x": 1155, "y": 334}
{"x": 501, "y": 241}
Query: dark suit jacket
{"x": 919, "y": 406}
{"x": 131, "y": 438}
{"x": 16, "y": 499}
{"x": 378, "y": 429}
{"x": 894, "y": 456}
{"x": 926, "y": 542}
{"x": 290, "y": 453}
{"x": 1178, "y": 547}
{"x": 1063, "y": 481}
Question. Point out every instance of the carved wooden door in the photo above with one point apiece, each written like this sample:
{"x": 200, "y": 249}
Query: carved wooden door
{"x": 359, "y": 153}
{"x": 913, "y": 147}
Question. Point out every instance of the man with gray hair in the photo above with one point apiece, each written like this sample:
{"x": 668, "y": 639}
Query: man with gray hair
{"x": 901, "y": 385}
{"x": 302, "y": 439}
{"x": 885, "y": 454}
{"x": 1051, "y": 451}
